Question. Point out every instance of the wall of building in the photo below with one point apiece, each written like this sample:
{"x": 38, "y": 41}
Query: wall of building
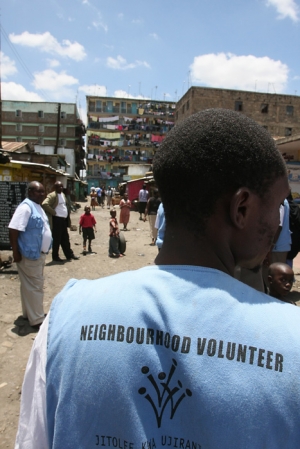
{"x": 279, "y": 114}
{"x": 67, "y": 152}
{"x": 124, "y": 131}
{"x": 31, "y": 121}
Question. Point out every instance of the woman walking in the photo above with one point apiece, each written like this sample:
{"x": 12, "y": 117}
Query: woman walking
{"x": 125, "y": 205}
{"x": 93, "y": 196}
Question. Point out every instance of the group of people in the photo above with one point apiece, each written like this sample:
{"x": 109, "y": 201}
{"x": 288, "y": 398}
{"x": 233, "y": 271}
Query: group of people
{"x": 179, "y": 354}
{"x": 98, "y": 196}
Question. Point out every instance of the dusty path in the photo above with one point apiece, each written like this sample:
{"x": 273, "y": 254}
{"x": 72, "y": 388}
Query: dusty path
{"x": 14, "y": 350}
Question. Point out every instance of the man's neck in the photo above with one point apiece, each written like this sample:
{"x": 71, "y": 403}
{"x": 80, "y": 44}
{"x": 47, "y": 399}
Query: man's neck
{"x": 181, "y": 248}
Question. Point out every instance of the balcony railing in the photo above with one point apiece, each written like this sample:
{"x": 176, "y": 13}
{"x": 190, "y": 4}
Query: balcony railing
{"x": 162, "y": 129}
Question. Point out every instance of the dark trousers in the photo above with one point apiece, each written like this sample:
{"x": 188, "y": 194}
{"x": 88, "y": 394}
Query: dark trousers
{"x": 113, "y": 246}
{"x": 60, "y": 236}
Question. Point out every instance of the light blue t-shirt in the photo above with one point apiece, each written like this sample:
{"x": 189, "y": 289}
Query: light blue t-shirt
{"x": 160, "y": 225}
{"x": 284, "y": 240}
{"x": 172, "y": 356}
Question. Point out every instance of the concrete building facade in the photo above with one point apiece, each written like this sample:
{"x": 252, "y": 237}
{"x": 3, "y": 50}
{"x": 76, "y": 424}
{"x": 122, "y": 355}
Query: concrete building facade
{"x": 279, "y": 114}
{"x": 44, "y": 124}
{"x": 122, "y": 137}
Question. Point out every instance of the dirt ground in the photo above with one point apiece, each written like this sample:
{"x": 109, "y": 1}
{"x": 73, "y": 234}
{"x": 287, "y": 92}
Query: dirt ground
{"x": 14, "y": 349}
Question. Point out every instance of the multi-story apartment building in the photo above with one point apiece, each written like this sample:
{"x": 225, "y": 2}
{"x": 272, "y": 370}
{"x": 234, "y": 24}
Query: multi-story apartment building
{"x": 122, "y": 137}
{"x": 45, "y": 125}
{"x": 279, "y": 114}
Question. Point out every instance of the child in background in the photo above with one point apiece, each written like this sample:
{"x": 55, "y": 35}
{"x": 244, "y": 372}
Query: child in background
{"x": 113, "y": 250}
{"x": 87, "y": 224}
{"x": 280, "y": 279}
{"x": 125, "y": 205}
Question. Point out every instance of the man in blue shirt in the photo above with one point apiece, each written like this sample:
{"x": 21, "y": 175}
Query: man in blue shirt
{"x": 30, "y": 238}
{"x": 179, "y": 354}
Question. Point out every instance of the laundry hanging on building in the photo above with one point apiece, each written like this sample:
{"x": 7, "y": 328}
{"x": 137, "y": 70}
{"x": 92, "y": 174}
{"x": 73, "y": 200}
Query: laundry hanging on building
{"x": 157, "y": 138}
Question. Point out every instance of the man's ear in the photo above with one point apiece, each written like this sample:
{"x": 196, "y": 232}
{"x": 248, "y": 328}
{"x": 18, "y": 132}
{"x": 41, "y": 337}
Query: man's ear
{"x": 242, "y": 201}
{"x": 270, "y": 279}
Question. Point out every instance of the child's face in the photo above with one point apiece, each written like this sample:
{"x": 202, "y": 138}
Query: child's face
{"x": 281, "y": 282}
{"x": 87, "y": 211}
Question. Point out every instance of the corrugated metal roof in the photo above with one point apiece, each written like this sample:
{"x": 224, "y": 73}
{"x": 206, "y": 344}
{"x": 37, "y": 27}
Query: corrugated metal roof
{"x": 16, "y": 147}
{"x": 43, "y": 167}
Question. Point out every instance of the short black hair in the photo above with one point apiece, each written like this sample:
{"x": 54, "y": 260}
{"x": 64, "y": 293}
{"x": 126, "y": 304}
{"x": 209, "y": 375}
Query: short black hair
{"x": 209, "y": 154}
{"x": 33, "y": 185}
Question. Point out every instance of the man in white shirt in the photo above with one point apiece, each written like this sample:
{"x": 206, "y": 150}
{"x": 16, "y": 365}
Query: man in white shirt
{"x": 30, "y": 238}
{"x": 58, "y": 212}
{"x": 143, "y": 198}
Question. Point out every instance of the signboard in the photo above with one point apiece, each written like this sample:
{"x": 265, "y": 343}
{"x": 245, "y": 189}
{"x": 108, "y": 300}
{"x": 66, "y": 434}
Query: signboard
{"x": 11, "y": 195}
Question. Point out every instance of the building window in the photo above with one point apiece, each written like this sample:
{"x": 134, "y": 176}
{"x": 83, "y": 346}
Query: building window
{"x": 290, "y": 110}
{"x": 62, "y": 142}
{"x": 183, "y": 109}
{"x": 92, "y": 106}
{"x": 123, "y": 107}
{"x": 63, "y": 129}
{"x": 188, "y": 105}
{"x": 238, "y": 106}
{"x": 288, "y": 132}
{"x": 41, "y": 141}
{"x": 18, "y": 113}
{"x": 264, "y": 108}
{"x": 18, "y": 127}
{"x": 116, "y": 108}
{"x": 41, "y": 128}
{"x": 41, "y": 114}
{"x": 109, "y": 106}
{"x": 98, "y": 106}
{"x": 63, "y": 114}
{"x": 18, "y": 139}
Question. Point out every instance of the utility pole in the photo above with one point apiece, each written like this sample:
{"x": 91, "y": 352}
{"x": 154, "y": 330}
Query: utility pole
{"x": 57, "y": 129}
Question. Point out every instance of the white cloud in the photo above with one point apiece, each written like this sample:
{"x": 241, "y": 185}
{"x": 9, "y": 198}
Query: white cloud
{"x": 8, "y": 67}
{"x": 13, "y": 91}
{"x": 239, "y": 72}
{"x": 53, "y": 63}
{"x": 93, "y": 89}
{"x": 123, "y": 94}
{"x": 52, "y": 81}
{"x": 49, "y": 44}
{"x": 100, "y": 24}
{"x": 138, "y": 21}
{"x": 120, "y": 63}
{"x": 285, "y": 8}
{"x": 154, "y": 35}
{"x": 97, "y": 21}
{"x": 121, "y": 16}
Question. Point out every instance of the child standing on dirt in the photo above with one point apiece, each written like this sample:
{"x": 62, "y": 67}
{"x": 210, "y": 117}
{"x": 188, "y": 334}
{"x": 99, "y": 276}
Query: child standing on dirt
{"x": 113, "y": 250}
{"x": 87, "y": 224}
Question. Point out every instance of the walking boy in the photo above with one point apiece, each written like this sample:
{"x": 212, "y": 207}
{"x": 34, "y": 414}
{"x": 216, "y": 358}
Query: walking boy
{"x": 113, "y": 250}
{"x": 87, "y": 224}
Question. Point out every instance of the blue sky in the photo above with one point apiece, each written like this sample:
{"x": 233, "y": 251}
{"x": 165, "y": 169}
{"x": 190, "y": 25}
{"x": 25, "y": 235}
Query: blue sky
{"x": 61, "y": 50}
